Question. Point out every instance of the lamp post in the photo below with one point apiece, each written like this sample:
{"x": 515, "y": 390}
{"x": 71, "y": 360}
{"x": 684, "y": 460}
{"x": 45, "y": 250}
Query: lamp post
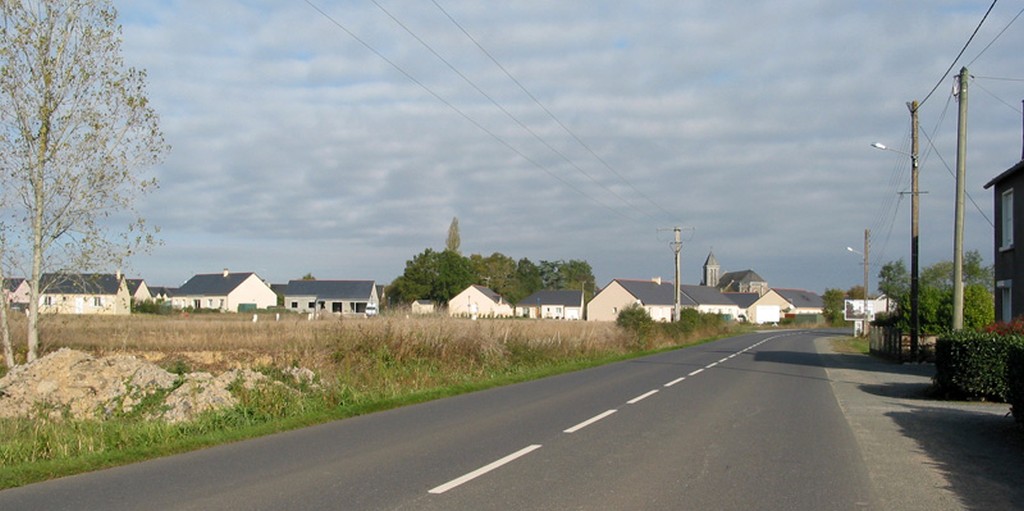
{"x": 867, "y": 315}
{"x": 915, "y": 291}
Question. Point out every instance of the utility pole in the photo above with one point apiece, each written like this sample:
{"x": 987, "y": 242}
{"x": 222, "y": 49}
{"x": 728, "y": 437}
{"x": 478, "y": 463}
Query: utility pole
{"x": 677, "y": 245}
{"x": 958, "y": 229}
{"x": 867, "y": 315}
{"x": 915, "y": 292}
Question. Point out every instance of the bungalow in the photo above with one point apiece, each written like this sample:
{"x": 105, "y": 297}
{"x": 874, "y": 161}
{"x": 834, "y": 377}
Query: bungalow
{"x": 657, "y": 297}
{"x": 479, "y": 301}
{"x": 801, "y": 302}
{"x": 338, "y": 297}
{"x": 225, "y": 292}
{"x": 84, "y": 293}
{"x": 708, "y": 300}
{"x": 138, "y": 290}
{"x": 423, "y": 307}
{"x": 552, "y": 304}
{"x": 761, "y": 308}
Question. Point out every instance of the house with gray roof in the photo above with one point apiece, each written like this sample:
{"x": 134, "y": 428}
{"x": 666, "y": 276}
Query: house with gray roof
{"x": 708, "y": 300}
{"x": 801, "y": 301}
{"x": 552, "y": 304}
{"x": 656, "y": 297}
{"x": 84, "y": 293}
{"x": 337, "y": 297}
{"x": 479, "y": 301}
{"x": 744, "y": 281}
{"x": 225, "y": 291}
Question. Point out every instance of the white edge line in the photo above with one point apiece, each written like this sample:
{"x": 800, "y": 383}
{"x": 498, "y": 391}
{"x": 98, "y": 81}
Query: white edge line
{"x": 589, "y": 421}
{"x": 485, "y": 469}
{"x": 675, "y": 381}
{"x": 641, "y": 397}
{"x": 698, "y": 371}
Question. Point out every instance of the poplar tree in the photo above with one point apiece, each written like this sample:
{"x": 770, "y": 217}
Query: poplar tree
{"x": 76, "y": 131}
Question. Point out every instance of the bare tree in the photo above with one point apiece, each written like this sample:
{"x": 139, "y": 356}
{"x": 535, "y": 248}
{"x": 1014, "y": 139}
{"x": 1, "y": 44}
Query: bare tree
{"x": 76, "y": 129}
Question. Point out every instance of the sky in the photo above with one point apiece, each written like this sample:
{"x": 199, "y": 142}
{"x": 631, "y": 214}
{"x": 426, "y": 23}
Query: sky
{"x": 340, "y": 138}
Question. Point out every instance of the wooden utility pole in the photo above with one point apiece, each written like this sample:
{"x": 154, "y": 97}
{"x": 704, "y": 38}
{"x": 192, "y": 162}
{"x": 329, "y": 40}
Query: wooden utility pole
{"x": 677, "y": 245}
{"x": 867, "y": 314}
{"x": 915, "y": 291}
{"x": 958, "y": 228}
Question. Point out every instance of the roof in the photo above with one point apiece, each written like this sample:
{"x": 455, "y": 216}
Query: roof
{"x": 331, "y": 289}
{"x": 801, "y": 298}
{"x": 744, "y": 300}
{"x": 12, "y": 284}
{"x": 704, "y": 295}
{"x": 650, "y": 292}
{"x": 133, "y": 285}
{"x": 488, "y": 292}
{"x": 80, "y": 283}
{"x": 741, "y": 276}
{"x": 213, "y": 284}
{"x": 564, "y": 297}
{"x": 1007, "y": 173}
{"x": 711, "y": 261}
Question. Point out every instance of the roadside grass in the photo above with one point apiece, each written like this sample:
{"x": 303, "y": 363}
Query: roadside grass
{"x": 851, "y": 345}
{"x": 362, "y": 366}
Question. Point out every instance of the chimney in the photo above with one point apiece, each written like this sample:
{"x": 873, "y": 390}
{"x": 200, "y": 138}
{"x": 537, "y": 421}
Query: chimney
{"x": 118, "y": 274}
{"x": 226, "y": 272}
{"x": 656, "y": 280}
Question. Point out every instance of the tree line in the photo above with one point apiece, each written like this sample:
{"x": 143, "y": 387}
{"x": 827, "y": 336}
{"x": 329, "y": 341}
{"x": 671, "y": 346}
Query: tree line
{"x": 438, "y": 276}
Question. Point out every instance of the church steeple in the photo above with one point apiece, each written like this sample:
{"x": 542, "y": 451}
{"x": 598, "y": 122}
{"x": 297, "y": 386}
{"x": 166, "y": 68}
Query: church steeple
{"x": 712, "y": 271}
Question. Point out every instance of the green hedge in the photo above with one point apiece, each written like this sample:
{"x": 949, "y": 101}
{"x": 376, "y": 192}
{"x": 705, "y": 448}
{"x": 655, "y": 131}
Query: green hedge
{"x": 973, "y": 365}
{"x": 1015, "y": 382}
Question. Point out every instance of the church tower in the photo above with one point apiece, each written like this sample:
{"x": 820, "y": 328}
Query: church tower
{"x": 712, "y": 271}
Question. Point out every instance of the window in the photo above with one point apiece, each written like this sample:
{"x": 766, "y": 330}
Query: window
{"x": 1004, "y": 288}
{"x": 1006, "y": 226}
{"x": 47, "y": 300}
{"x": 97, "y": 301}
{"x": 311, "y": 305}
{"x": 295, "y": 305}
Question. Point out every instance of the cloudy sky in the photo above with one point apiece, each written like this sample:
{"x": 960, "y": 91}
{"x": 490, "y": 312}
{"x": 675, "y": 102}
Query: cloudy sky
{"x": 340, "y": 138}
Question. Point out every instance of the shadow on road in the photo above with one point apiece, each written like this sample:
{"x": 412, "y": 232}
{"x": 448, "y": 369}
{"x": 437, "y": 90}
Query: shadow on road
{"x": 980, "y": 452}
{"x": 844, "y": 361}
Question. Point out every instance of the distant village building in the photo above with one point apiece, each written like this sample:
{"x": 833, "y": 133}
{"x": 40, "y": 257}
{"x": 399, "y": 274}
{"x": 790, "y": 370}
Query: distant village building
{"x": 226, "y": 292}
{"x": 552, "y": 304}
{"x": 337, "y": 297}
{"x": 479, "y": 301}
{"x": 84, "y": 293}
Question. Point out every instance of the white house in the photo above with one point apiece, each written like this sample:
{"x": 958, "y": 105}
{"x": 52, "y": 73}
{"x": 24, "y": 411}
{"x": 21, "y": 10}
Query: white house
{"x": 226, "y": 291}
{"x": 552, "y": 304}
{"x": 338, "y": 297}
{"x": 479, "y": 301}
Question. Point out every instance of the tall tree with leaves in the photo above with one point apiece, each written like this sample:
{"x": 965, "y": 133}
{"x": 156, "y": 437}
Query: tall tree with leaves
{"x": 76, "y": 129}
{"x": 454, "y": 241}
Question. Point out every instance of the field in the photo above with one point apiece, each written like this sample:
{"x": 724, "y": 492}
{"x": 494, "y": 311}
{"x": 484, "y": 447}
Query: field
{"x": 362, "y": 365}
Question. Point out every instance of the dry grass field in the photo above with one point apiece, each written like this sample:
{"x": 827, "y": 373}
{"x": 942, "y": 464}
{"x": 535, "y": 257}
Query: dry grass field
{"x": 376, "y": 354}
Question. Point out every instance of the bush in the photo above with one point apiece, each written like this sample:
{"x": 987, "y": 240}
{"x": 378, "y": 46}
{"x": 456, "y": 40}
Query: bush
{"x": 635, "y": 319}
{"x": 1015, "y": 381}
{"x": 973, "y": 365}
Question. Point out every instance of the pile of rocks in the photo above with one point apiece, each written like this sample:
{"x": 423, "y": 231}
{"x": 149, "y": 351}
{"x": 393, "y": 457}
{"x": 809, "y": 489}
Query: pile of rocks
{"x": 73, "y": 384}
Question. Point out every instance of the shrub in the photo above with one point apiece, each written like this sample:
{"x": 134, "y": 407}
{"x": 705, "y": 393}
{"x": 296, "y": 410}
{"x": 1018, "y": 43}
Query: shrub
{"x": 635, "y": 319}
{"x": 973, "y": 365}
{"x": 1015, "y": 381}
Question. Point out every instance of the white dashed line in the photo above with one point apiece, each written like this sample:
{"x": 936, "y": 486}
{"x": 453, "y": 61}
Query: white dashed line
{"x": 483, "y": 470}
{"x": 589, "y": 421}
{"x": 641, "y": 397}
{"x": 709, "y": 366}
{"x": 675, "y": 381}
{"x": 698, "y": 371}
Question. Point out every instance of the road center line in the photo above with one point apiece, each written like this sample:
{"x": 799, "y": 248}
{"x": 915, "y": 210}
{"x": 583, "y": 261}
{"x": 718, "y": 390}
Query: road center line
{"x": 675, "y": 381}
{"x": 485, "y": 469}
{"x": 641, "y": 397}
{"x": 709, "y": 366}
{"x": 589, "y": 421}
{"x": 698, "y": 371}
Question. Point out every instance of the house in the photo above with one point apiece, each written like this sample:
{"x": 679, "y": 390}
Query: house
{"x": 479, "y": 301}
{"x": 162, "y": 293}
{"x": 16, "y": 293}
{"x": 338, "y": 297}
{"x": 655, "y": 296}
{"x": 801, "y": 302}
{"x": 84, "y": 293}
{"x": 1008, "y": 264}
{"x": 745, "y": 281}
{"x": 708, "y": 300}
{"x": 138, "y": 290}
{"x": 225, "y": 291}
{"x": 552, "y": 304}
{"x": 423, "y": 307}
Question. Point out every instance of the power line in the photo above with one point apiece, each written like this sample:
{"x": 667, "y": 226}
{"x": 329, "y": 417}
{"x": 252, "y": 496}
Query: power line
{"x": 548, "y": 111}
{"x": 996, "y": 38}
{"x": 962, "y": 50}
{"x": 497, "y": 105}
{"x": 461, "y": 113}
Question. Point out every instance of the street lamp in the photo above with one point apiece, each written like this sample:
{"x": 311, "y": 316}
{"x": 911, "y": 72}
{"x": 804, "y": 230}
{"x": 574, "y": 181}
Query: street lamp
{"x": 915, "y": 292}
{"x": 867, "y": 315}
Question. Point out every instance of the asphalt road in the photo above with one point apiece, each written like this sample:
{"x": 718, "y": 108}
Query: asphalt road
{"x": 744, "y": 423}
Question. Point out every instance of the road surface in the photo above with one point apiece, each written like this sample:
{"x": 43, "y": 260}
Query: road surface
{"x": 749, "y": 422}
